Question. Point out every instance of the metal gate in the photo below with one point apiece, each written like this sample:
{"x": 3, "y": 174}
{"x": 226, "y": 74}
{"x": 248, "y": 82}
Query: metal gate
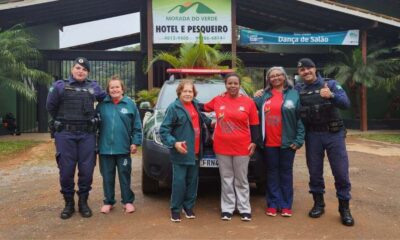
{"x": 33, "y": 117}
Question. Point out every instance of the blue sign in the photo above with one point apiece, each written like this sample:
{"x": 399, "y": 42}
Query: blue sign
{"x": 350, "y": 37}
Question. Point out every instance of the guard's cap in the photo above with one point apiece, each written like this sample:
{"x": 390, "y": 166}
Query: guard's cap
{"x": 305, "y": 62}
{"x": 83, "y": 62}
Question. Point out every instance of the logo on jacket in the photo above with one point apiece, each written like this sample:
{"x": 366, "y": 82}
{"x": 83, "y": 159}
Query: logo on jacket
{"x": 124, "y": 110}
{"x": 289, "y": 104}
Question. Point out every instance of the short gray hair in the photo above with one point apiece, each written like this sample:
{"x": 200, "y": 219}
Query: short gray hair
{"x": 286, "y": 84}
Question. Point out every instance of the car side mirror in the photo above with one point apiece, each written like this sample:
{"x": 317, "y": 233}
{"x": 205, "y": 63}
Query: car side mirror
{"x": 145, "y": 106}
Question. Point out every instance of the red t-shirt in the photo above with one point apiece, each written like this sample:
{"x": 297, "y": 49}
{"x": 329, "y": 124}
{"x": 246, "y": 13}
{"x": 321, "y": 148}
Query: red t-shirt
{"x": 234, "y": 116}
{"x": 116, "y": 101}
{"x": 273, "y": 119}
{"x": 196, "y": 125}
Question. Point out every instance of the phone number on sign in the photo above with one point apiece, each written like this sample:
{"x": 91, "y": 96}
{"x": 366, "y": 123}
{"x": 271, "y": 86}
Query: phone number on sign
{"x": 206, "y": 38}
{"x": 176, "y": 38}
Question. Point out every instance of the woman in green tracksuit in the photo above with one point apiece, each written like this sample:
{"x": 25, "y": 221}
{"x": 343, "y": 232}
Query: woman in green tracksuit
{"x": 181, "y": 132}
{"x": 283, "y": 134}
{"x": 120, "y": 135}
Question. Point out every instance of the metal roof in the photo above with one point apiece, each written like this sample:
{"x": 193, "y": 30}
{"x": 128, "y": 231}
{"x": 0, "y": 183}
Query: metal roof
{"x": 110, "y": 43}
{"x": 355, "y": 11}
{"x": 64, "y": 12}
{"x": 273, "y": 14}
{"x": 263, "y": 15}
{"x": 9, "y": 4}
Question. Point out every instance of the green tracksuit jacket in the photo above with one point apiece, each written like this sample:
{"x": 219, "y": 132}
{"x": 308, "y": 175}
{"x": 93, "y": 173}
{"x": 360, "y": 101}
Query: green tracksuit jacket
{"x": 292, "y": 126}
{"x": 120, "y": 126}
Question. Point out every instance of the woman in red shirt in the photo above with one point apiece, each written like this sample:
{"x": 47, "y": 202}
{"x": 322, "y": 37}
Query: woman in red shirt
{"x": 283, "y": 134}
{"x": 234, "y": 142}
{"x": 180, "y": 131}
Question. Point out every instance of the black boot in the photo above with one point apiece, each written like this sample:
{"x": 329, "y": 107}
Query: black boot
{"x": 319, "y": 206}
{"x": 69, "y": 208}
{"x": 84, "y": 209}
{"x": 345, "y": 213}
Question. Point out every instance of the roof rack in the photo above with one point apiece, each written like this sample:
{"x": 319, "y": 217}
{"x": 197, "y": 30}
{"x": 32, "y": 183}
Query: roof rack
{"x": 199, "y": 71}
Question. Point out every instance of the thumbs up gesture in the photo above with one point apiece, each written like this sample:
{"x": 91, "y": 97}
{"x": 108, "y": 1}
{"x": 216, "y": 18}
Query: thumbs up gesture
{"x": 326, "y": 92}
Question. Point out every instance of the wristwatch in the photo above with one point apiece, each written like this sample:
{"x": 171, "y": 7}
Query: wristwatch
{"x": 332, "y": 95}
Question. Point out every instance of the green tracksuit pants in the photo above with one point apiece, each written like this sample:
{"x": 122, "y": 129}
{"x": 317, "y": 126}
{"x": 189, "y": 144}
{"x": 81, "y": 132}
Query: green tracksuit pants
{"x": 108, "y": 166}
{"x": 184, "y": 186}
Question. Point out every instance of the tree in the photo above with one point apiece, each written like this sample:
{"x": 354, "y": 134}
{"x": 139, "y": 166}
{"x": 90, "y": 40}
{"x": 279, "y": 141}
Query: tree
{"x": 200, "y": 55}
{"x": 381, "y": 70}
{"x": 196, "y": 55}
{"x": 148, "y": 96}
{"x": 16, "y": 55}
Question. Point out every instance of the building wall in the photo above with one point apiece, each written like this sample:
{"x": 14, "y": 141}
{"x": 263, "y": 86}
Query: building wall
{"x": 7, "y": 102}
{"x": 47, "y": 36}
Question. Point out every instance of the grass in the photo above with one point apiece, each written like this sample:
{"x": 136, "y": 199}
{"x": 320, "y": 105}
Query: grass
{"x": 392, "y": 138}
{"x": 15, "y": 146}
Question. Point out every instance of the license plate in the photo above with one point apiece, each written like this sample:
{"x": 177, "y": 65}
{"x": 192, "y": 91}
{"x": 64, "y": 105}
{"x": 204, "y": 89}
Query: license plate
{"x": 209, "y": 163}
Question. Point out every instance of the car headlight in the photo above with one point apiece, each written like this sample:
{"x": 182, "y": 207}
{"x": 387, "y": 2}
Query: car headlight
{"x": 157, "y": 137}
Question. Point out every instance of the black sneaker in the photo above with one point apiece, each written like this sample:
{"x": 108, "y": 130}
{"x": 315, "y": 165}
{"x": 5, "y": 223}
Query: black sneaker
{"x": 245, "y": 217}
{"x": 175, "y": 217}
{"x": 189, "y": 213}
{"x": 226, "y": 216}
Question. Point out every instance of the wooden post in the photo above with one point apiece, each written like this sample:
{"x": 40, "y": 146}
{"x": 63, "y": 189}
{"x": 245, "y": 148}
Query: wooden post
{"x": 150, "y": 74}
{"x": 141, "y": 82}
{"x": 234, "y": 34}
{"x": 363, "y": 89}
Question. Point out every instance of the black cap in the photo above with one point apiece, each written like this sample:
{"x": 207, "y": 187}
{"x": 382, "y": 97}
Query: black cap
{"x": 305, "y": 62}
{"x": 83, "y": 62}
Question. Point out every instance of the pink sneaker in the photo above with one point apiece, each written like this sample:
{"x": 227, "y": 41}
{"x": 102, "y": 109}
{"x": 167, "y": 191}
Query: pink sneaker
{"x": 106, "y": 208}
{"x": 286, "y": 212}
{"x": 270, "y": 212}
{"x": 129, "y": 208}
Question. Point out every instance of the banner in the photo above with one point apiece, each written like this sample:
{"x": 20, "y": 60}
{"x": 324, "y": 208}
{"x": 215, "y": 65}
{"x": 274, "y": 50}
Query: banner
{"x": 349, "y": 37}
{"x": 182, "y": 21}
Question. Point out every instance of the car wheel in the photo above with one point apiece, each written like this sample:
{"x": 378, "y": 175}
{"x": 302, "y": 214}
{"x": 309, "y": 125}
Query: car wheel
{"x": 260, "y": 187}
{"x": 149, "y": 185}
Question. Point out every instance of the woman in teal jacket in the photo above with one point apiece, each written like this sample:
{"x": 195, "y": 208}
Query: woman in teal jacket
{"x": 283, "y": 134}
{"x": 120, "y": 135}
{"x": 181, "y": 132}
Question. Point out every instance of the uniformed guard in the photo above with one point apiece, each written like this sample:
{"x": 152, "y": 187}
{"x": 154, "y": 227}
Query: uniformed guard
{"x": 321, "y": 98}
{"x": 71, "y": 105}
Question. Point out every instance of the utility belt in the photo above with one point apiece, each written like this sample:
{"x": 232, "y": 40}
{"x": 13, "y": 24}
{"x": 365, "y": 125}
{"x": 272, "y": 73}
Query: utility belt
{"x": 78, "y": 128}
{"x": 59, "y": 126}
{"x": 333, "y": 127}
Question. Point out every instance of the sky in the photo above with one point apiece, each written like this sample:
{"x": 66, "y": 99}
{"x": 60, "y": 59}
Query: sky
{"x": 99, "y": 30}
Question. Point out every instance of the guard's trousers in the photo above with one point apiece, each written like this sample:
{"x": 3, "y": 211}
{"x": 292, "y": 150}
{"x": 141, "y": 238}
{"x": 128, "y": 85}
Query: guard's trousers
{"x": 75, "y": 149}
{"x": 334, "y": 145}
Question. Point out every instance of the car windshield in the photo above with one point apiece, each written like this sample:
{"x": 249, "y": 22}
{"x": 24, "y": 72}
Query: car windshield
{"x": 206, "y": 91}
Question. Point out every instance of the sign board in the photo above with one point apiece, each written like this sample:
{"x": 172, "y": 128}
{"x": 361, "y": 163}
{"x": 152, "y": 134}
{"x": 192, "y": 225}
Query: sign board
{"x": 350, "y": 37}
{"x": 182, "y": 21}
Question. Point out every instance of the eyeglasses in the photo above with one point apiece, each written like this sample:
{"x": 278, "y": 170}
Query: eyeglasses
{"x": 275, "y": 76}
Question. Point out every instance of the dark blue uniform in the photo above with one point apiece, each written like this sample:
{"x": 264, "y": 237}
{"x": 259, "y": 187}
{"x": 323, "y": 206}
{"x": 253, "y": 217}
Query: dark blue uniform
{"x": 325, "y": 132}
{"x": 75, "y": 140}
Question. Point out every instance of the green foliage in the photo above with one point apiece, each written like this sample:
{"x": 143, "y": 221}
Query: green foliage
{"x": 15, "y": 146}
{"x": 148, "y": 96}
{"x": 392, "y": 138}
{"x": 16, "y": 55}
{"x": 196, "y": 55}
{"x": 135, "y": 47}
{"x": 200, "y": 55}
{"x": 246, "y": 81}
{"x": 381, "y": 70}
